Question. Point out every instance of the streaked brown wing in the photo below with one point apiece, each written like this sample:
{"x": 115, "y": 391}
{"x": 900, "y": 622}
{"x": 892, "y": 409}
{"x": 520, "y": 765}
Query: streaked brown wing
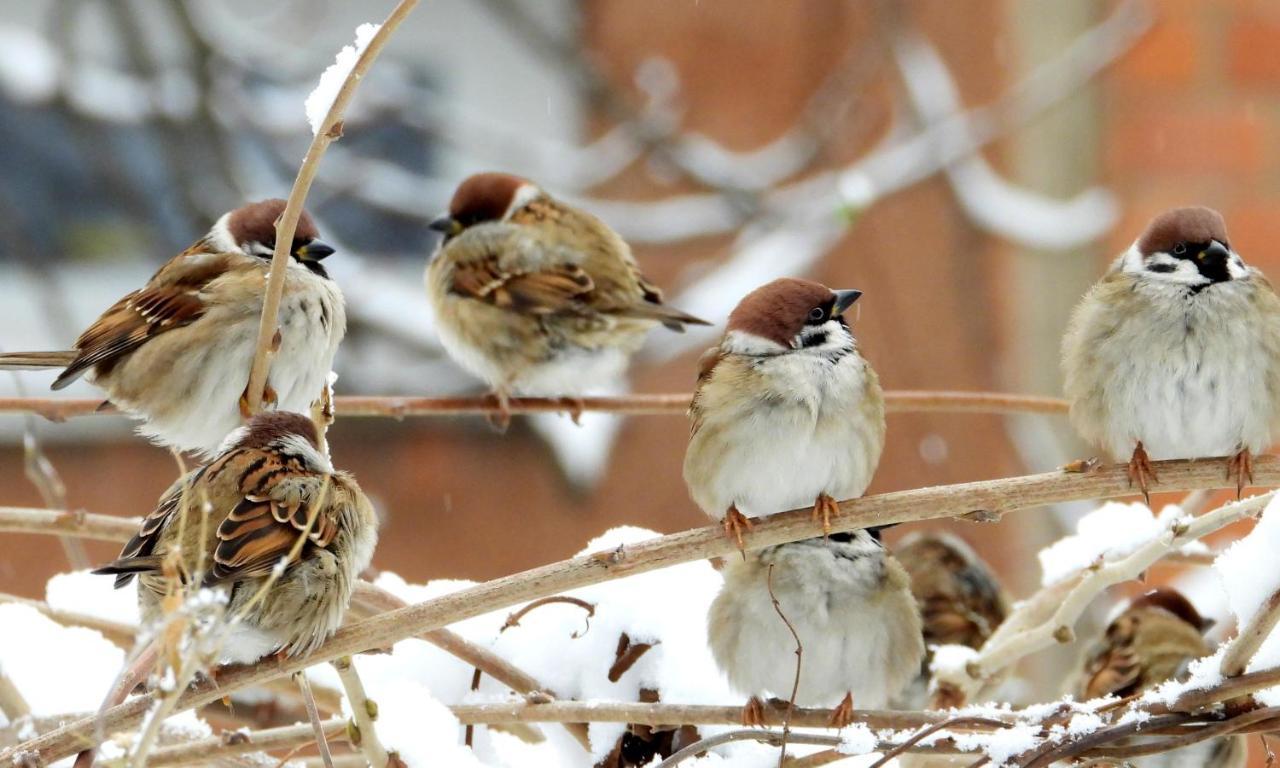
{"x": 171, "y": 299}
{"x": 137, "y": 556}
{"x": 559, "y": 288}
{"x": 1116, "y": 671}
{"x": 278, "y": 495}
{"x": 706, "y": 365}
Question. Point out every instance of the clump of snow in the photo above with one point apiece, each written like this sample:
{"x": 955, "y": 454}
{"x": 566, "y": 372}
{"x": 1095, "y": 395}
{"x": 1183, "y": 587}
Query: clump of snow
{"x": 1108, "y": 533}
{"x": 1084, "y": 723}
{"x": 411, "y": 722}
{"x": 57, "y": 669}
{"x": 1201, "y": 673}
{"x": 92, "y": 595}
{"x": 951, "y": 661}
{"x": 1002, "y": 744}
{"x": 857, "y": 739}
{"x": 1248, "y": 585}
{"x": 321, "y": 99}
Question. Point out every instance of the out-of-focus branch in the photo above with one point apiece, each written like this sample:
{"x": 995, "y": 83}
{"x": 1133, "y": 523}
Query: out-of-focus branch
{"x": 990, "y": 497}
{"x": 119, "y": 634}
{"x": 675, "y": 404}
{"x": 330, "y": 130}
{"x": 12, "y": 703}
{"x": 79, "y": 524}
{"x": 235, "y": 743}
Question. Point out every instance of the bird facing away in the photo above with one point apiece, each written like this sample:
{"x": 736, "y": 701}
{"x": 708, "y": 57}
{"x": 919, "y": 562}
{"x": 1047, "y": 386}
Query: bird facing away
{"x": 1175, "y": 352}
{"x": 537, "y": 297}
{"x": 269, "y": 497}
{"x": 786, "y": 412}
{"x": 177, "y": 352}
{"x": 850, "y": 603}
{"x": 961, "y": 601}
{"x": 1151, "y": 641}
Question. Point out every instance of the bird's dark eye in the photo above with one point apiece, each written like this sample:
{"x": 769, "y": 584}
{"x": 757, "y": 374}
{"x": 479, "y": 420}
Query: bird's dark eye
{"x": 1179, "y": 249}
{"x": 817, "y": 315}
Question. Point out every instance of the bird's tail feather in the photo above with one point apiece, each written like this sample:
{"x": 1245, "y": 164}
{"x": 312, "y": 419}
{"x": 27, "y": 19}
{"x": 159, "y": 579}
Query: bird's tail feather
{"x": 19, "y": 360}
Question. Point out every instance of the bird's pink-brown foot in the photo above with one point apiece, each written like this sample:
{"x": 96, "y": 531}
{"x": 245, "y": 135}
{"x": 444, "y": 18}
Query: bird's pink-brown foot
{"x": 823, "y": 508}
{"x": 501, "y": 418}
{"x": 1141, "y": 472}
{"x": 1241, "y": 468}
{"x": 842, "y": 715}
{"x": 753, "y": 713}
{"x": 735, "y": 523}
{"x": 575, "y": 405}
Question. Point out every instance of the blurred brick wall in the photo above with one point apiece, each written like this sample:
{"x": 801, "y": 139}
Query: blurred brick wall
{"x": 462, "y": 502}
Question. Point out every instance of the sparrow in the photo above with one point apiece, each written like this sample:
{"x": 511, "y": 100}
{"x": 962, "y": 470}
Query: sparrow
{"x": 961, "y": 601}
{"x": 268, "y": 515}
{"x": 786, "y": 412}
{"x": 177, "y": 352}
{"x": 537, "y": 297}
{"x": 1175, "y": 352}
{"x": 1153, "y": 640}
{"x": 850, "y": 604}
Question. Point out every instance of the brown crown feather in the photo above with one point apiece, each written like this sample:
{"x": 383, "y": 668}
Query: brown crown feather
{"x": 269, "y": 426}
{"x": 1172, "y": 601}
{"x": 777, "y": 311}
{"x": 484, "y": 197}
{"x": 256, "y": 223}
{"x": 1195, "y": 224}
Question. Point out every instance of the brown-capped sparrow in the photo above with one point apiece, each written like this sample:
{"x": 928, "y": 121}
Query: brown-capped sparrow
{"x": 850, "y": 603}
{"x": 177, "y": 352}
{"x": 537, "y": 297}
{"x": 786, "y": 412}
{"x": 1153, "y": 640}
{"x": 271, "y": 515}
{"x": 1175, "y": 353}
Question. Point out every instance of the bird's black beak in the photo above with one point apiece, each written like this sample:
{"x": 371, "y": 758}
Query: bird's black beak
{"x": 316, "y": 250}
{"x": 1216, "y": 253}
{"x": 447, "y": 226}
{"x": 844, "y": 300}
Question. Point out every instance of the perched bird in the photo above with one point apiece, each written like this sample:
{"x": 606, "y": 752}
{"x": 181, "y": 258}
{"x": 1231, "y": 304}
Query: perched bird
{"x": 271, "y": 497}
{"x": 1175, "y": 353}
{"x": 786, "y": 412}
{"x": 850, "y": 604}
{"x": 961, "y": 601}
{"x": 537, "y": 297}
{"x": 1153, "y": 640}
{"x": 177, "y": 352}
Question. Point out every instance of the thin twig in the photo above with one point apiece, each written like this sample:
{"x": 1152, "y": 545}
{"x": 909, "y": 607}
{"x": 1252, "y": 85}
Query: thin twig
{"x": 330, "y": 129}
{"x": 924, "y": 733}
{"x": 772, "y": 738}
{"x": 513, "y": 618}
{"x": 364, "y": 711}
{"x": 317, "y": 727}
{"x": 234, "y": 743}
{"x": 1000, "y": 496}
{"x": 675, "y": 404}
{"x": 795, "y": 685}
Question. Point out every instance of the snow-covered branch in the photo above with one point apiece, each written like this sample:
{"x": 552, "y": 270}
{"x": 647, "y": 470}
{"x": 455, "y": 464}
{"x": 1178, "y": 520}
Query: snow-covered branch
{"x": 992, "y": 497}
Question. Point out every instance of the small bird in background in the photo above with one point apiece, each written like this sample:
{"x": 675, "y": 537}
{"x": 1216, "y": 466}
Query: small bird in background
{"x": 1153, "y": 640}
{"x": 786, "y": 412}
{"x": 1175, "y": 353}
{"x": 176, "y": 353}
{"x": 270, "y": 498}
{"x": 851, "y": 606}
{"x": 961, "y": 601}
{"x": 537, "y": 297}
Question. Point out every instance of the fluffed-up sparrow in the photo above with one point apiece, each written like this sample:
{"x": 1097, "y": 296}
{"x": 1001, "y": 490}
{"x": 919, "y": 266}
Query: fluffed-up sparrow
{"x": 961, "y": 600}
{"x": 850, "y": 603}
{"x": 177, "y": 352}
{"x": 1175, "y": 352}
{"x": 1153, "y": 640}
{"x": 270, "y": 514}
{"x": 537, "y": 297}
{"x": 786, "y": 412}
